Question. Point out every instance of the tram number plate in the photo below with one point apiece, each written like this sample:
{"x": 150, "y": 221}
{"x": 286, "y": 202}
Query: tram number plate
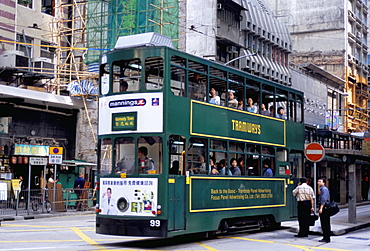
{"x": 155, "y": 223}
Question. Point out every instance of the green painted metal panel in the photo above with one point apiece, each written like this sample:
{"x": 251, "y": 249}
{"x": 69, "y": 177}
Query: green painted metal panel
{"x": 221, "y": 122}
{"x": 224, "y": 193}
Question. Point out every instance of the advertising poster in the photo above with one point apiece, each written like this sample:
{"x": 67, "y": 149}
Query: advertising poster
{"x": 128, "y": 196}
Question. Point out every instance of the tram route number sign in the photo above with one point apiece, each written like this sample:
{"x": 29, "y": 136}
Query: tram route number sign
{"x": 314, "y": 152}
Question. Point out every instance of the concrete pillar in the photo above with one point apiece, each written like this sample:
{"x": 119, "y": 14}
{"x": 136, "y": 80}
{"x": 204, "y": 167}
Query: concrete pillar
{"x": 351, "y": 193}
{"x": 342, "y": 186}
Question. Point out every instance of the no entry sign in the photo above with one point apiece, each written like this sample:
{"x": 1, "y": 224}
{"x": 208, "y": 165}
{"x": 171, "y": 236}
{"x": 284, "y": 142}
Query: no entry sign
{"x": 314, "y": 152}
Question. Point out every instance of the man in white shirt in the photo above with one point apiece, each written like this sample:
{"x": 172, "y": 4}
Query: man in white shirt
{"x": 305, "y": 197}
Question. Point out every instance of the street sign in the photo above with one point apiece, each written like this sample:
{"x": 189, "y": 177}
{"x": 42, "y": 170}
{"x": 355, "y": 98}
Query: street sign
{"x": 55, "y": 150}
{"x": 38, "y": 161}
{"x": 314, "y": 152}
{"x": 55, "y": 159}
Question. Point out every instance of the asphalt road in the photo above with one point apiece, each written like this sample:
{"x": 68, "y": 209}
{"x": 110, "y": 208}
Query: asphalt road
{"x": 78, "y": 233}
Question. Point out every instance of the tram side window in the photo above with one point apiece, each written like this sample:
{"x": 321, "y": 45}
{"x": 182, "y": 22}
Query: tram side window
{"x": 217, "y": 88}
{"x": 105, "y": 156}
{"x": 178, "y": 81}
{"x": 197, "y": 152}
{"x": 218, "y": 151}
{"x": 235, "y": 95}
{"x": 197, "y": 86}
{"x": 126, "y": 75}
{"x": 236, "y": 158}
{"x": 150, "y": 155}
{"x": 281, "y": 104}
{"x": 268, "y": 101}
{"x": 268, "y": 162}
{"x": 252, "y": 97}
{"x": 253, "y": 160}
{"x": 296, "y": 164}
{"x": 177, "y": 153}
{"x": 178, "y": 77}
{"x": 154, "y": 73}
{"x": 124, "y": 155}
{"x": 299, "y": 109}
{"x": 104, "y": 79}
{"x": 282, "y": 155}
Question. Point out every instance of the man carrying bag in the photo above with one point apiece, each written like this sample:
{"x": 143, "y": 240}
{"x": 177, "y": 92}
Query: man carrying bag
{"x": 305, "y": 197}
{"x": 324, "y": 211}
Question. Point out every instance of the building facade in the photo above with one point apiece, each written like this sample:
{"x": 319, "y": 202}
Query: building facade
{"x": 332, "y": 35}
{"x": 35, "y": 114}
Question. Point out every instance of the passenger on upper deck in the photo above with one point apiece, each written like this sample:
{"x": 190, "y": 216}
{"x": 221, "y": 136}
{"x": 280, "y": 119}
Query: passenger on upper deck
{"x": 232, "y": 102}
{"x": 264, "y": 111}
{"x": 214, "y": 98}
{"x": 197, "y": 87}
{"x": 280, "y": 113}
{"x": 235, "y": 170}
{"x": 272, "y": 111}
{"x": 123, "y": 85}
{"x": 250, "y": 106}
{"x": 240, "y": 105}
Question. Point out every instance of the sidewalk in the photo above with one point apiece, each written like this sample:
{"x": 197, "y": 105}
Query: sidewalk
{"x": 339, "y": 222}
{"x": 69, "y": 212}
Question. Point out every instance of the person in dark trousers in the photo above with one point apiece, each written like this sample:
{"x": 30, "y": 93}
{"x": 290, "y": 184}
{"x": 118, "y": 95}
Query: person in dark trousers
{"x": 23, "y": 195}
{"x": 305, "y": 197}
{"x": 78, "y": 186}
{"x": 323, "y": 210}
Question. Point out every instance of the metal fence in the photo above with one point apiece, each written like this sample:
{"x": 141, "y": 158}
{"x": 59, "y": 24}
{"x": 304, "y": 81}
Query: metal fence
{"x": 39, "y": 201}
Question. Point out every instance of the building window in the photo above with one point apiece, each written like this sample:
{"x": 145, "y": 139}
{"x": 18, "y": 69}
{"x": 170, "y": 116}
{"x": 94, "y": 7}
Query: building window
{"x": 47, "y": 51}
{"x": 26, "y": 48}
{"x": 26, "y": 3}
{"x": 47, "y": 7}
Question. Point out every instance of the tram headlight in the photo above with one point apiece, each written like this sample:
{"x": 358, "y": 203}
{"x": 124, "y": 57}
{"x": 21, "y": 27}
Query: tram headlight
{"x": 123, "y": 204}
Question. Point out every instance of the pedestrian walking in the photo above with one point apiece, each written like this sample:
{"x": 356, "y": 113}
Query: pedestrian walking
{"x": 305, "y": 197}
{"x": 324, "y": 210}
{"x": 78, "y": 186}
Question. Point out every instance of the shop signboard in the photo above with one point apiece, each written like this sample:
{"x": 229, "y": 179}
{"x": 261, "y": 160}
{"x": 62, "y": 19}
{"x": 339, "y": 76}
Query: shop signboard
{"x": 38, "y": 161}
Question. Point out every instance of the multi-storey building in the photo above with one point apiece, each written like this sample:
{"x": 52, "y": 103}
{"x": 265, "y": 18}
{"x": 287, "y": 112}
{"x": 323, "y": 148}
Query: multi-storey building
{"x": 332, "y": 35}
{"x": 33, "y": 116}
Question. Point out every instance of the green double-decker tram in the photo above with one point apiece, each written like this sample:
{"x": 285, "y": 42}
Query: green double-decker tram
{"x": 189, "y": 145}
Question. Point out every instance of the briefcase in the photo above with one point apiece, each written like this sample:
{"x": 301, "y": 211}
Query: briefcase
{"x": 312, "y": 219}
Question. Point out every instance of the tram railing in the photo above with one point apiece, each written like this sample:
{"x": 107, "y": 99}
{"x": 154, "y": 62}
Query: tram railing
{"x": 37, "y": 201}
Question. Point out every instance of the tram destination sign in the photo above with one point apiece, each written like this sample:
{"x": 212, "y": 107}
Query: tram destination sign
{"x": 124, "y": 121}
{"x": 221, "y": 122}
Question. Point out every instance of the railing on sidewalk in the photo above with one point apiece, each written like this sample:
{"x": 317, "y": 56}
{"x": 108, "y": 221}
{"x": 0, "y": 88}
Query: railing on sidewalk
{"x": 38, "y": 201}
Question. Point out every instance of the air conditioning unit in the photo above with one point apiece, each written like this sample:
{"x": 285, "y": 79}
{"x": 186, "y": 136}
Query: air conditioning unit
{"x": 43, "y": 65}
{"x": 13, "y": 59}
{"x": 231, "y": 49}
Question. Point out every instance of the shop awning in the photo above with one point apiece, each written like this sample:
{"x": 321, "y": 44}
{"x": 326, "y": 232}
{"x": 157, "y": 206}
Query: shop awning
{"x": 77, "y": 163}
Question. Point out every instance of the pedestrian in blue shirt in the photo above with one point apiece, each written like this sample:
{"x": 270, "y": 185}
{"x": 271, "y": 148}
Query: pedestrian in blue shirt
{"x": 78, "y": 186}
{"x": 324, "y": 199}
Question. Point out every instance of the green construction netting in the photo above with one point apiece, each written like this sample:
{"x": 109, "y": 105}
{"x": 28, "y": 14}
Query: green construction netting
{"x": 107, "y": 20}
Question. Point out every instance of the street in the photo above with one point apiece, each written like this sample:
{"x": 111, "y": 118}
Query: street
{"x": 78, "y": 233}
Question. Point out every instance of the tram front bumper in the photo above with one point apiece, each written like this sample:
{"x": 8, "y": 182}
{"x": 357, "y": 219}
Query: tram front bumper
{"x": 131, "y": 227}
